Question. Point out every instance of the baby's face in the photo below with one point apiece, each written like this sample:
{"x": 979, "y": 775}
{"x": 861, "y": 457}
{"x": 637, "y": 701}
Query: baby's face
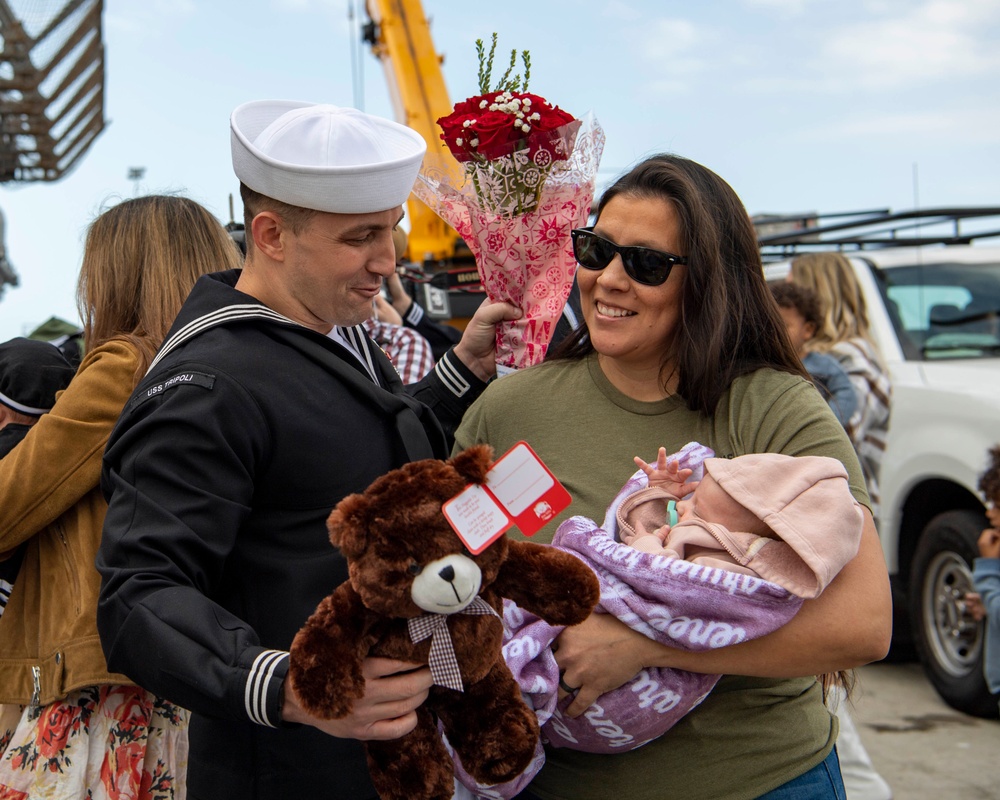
{"x": 993, "y": 514}
{"x": 711, "y": 503}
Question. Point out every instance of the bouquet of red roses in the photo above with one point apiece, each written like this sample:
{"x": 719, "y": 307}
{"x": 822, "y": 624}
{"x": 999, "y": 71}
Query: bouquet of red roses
{"x": 528, "y": 176}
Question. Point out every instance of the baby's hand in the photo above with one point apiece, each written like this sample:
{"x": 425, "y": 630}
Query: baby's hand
{"x": 633, "y": 538}
{"x": 667, "y": 475}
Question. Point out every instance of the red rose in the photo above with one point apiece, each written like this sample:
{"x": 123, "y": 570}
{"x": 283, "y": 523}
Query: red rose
{"x": 493, "y": 126}
{"x": 456, "y": 135}
{"x": 496, "y": 133}
{"x": 54, "y": 729}
{"x": 550, "y": 116}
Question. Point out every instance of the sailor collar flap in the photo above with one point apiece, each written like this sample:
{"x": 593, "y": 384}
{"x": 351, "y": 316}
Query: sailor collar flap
{"x": 344, "y": 364}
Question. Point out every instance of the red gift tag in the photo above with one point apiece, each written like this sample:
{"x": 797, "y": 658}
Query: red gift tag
{"x": 519, "y": 490}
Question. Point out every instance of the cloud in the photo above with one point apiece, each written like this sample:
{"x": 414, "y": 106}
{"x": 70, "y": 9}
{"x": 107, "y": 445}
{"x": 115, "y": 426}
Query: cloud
{"x": 338, "y": 6}
{"x": 625, "y": 12}
{"x": 673, "y": 37}
{"x": 151, "y": 16}
{"x": 671, "y": 49}
{"x": 787, "y": 8}
{"x": 952, "y": 128}
{"x": 903, "y": 44}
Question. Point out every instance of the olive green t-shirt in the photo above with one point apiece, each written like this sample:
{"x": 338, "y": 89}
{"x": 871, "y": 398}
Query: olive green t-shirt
{"x": 750, "y": 735}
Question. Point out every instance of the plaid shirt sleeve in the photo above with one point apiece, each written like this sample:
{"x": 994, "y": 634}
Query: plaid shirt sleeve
{"x": 409, "y": 352}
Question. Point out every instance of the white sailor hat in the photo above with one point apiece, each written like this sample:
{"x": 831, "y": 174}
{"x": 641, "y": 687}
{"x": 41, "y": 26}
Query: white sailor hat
{"x": 324, "y": 157}
{"x": 31, "y": 372}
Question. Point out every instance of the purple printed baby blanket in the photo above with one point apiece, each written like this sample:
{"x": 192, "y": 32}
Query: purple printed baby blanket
{"x": 672, "y": 601}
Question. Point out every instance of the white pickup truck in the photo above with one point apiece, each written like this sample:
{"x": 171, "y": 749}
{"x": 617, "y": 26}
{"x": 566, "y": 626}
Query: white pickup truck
{"x": 935, "y": 313}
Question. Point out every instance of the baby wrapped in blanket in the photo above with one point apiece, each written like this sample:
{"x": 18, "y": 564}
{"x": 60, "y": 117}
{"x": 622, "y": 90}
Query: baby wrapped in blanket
{"x": 696, "y": 553}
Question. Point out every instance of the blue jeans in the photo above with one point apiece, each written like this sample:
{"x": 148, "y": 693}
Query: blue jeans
{"x": 822, "y": 782}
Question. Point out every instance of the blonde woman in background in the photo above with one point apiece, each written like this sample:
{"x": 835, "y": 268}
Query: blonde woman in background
{"x": 845, "y": 335}
{"x": 70, "y": 729}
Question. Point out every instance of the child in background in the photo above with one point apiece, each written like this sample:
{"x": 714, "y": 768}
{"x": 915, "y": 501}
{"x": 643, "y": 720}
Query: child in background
{"x": 31, "y": 373}
{"x": 986, "y": 570}
{"x": 800, "y": 308}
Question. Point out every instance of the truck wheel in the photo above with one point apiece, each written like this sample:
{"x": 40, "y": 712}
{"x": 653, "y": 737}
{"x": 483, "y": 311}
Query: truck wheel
{"x": 949, "y": 641}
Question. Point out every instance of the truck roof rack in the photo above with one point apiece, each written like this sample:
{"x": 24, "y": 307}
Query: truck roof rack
{"x": 784, "y": 236}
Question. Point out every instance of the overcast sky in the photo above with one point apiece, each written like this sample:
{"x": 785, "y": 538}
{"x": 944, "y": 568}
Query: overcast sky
{"x": 800, "y": 104}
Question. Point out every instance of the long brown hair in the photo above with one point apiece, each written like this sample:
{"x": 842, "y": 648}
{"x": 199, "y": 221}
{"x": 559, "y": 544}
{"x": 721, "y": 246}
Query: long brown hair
{"x": 141, "y": 258}
{"x": 730, "y": 324}
{"x": 831, "y": 278}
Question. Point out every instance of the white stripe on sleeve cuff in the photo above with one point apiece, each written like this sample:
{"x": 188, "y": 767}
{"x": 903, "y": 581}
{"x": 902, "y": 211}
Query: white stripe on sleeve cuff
{"x": 450, "y": 376}
{"x": 258, "y": 683}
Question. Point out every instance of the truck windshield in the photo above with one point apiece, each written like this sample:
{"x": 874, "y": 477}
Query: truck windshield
{"x": 945, "y": 311}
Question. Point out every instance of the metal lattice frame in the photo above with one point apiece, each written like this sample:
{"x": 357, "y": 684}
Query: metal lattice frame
{"x": 51, "y": 87}
{"x": 783, "y": 237}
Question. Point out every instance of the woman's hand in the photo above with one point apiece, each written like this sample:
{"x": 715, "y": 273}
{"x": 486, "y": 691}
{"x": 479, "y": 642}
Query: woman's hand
{"x": 596, "y": 656}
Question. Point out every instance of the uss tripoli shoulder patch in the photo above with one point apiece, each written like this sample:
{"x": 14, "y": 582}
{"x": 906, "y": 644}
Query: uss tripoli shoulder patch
{"x": 183, "y": 378}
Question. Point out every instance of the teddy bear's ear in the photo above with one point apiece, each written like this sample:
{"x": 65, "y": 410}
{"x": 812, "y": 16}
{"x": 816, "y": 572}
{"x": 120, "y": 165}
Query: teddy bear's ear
{"x": 348, "y": 524}
{"x": 473, "y": 463}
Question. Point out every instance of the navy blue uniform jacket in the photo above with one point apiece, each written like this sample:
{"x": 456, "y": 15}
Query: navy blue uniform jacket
{"x": 220, "y": 475}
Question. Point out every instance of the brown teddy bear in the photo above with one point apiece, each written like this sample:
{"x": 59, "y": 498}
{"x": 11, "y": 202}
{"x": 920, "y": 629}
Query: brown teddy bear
{"x": 416, "y": 593}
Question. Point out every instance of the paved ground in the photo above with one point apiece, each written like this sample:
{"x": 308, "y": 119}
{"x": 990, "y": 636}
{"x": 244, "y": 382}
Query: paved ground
{"x": 925, "y": 749}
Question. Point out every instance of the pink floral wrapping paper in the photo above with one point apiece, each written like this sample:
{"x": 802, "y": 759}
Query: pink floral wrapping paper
{"x": 520, "y": 233}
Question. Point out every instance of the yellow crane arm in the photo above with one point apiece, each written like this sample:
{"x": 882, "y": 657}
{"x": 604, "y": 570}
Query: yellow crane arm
{"x": 400, "y": 37}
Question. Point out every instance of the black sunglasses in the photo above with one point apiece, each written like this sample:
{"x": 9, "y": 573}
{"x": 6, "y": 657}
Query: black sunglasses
{"x": 642, "y": 264}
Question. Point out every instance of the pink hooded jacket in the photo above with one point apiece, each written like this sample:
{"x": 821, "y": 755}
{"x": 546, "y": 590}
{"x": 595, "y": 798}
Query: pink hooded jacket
{"x": 805, "y": 500}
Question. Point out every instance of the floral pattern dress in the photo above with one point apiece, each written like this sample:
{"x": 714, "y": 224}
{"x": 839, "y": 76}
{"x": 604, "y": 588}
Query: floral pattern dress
{"x": 97, "y": 743}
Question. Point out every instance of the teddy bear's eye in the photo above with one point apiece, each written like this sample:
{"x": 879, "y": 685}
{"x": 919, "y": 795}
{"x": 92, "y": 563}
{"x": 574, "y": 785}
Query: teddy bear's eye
{"x": 414, "y": 568}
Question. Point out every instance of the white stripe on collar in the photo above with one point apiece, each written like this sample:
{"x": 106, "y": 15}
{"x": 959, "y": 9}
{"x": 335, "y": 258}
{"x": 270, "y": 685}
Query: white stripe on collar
{"x": 227, "y": 314}
{"x": 356, "y": 340}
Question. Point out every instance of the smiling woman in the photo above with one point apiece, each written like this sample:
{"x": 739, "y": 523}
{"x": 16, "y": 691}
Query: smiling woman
{"x": 632, "y": 324}
{"x": 701, "y": 355}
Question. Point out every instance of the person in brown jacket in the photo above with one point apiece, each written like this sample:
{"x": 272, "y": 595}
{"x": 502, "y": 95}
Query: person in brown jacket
{"x": 31, "y": 374}
{"x": 68, "y": 727}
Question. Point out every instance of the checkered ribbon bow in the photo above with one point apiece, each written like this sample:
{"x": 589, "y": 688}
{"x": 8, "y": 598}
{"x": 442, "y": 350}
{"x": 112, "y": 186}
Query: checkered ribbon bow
{"x": 442, "y": 660}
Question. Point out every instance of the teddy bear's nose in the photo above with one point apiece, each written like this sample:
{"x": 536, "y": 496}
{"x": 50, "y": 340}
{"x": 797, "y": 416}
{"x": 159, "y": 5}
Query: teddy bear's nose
{"x": 447, "y": 573}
